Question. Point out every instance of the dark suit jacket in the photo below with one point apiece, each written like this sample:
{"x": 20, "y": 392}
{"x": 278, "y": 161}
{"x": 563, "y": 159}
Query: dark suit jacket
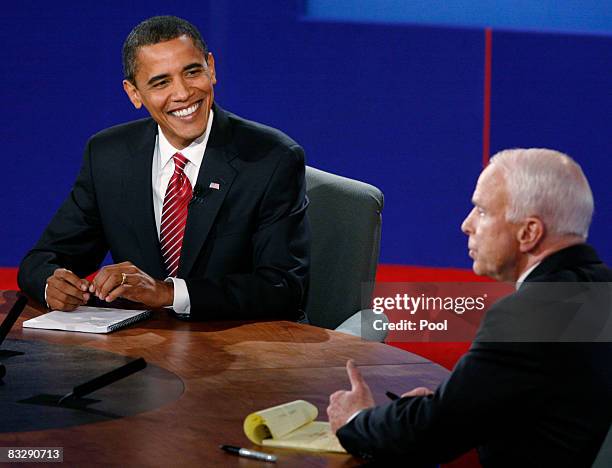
{"x": 246, "y": 247}
{"x": 522, "y": 404}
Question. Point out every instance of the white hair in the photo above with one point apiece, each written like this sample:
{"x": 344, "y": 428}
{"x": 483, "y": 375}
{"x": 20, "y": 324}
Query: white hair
{"x": 547, "y": 184}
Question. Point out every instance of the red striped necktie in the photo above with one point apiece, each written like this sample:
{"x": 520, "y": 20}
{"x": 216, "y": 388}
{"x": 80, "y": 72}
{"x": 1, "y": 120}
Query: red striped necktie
{"x": 174, "y": 215}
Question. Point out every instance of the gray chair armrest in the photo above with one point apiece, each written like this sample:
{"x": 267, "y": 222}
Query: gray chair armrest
{"x": 604, "y": 458}
{"x": 361, "y": 324}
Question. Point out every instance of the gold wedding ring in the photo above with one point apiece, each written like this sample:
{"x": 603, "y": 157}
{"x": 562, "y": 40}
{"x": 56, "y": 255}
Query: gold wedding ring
{"x": 123, "y": 279}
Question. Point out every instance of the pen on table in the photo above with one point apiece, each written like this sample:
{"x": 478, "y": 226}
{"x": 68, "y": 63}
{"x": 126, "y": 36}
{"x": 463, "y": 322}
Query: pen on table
{"x": 242, "y": 452}
{"x": 392, "y": 396}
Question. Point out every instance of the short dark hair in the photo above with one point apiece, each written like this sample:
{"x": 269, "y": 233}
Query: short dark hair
{"x": 152, "y": 31}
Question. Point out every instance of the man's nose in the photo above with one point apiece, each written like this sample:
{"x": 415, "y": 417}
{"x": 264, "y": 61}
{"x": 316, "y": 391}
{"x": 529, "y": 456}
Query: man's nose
{"x": 466, "y": 226}
{"x": 180, "y": 91}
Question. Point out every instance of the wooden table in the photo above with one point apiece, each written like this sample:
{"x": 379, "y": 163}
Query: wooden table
{"x": 229, "y": 370}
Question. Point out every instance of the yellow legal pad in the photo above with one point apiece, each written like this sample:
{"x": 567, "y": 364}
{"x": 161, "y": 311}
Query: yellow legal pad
{"x": 291, "y": 425}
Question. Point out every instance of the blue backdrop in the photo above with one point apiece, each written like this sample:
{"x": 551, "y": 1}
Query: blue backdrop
{"x": 396, "y": 105}
{"x": 541, "y": 15}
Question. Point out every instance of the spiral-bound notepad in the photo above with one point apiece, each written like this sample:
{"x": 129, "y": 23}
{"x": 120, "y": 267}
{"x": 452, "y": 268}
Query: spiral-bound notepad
{"x": 88, "y": 319}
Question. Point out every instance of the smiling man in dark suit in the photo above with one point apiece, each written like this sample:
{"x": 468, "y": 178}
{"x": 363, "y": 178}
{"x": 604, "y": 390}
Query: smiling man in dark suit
{"x": 201, "y": 210}
{"x": 535, "y": 387}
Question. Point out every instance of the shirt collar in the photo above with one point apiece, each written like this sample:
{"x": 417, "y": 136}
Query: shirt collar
{"x": 524, "y": 275}
{"x": 194, "y": 152}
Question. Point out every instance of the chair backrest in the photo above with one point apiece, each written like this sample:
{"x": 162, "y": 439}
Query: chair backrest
{"x": 345, "y": 218}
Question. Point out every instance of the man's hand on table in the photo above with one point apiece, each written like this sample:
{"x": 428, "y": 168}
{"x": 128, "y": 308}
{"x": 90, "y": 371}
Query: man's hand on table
{"x": 128, "y": 281}
{"x": 66, "y": 291}
{"x": 344, "y": 403}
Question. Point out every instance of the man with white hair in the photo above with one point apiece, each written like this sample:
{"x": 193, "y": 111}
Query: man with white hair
{"x": 525, "y": 395}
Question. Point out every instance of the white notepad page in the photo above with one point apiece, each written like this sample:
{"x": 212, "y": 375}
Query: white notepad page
{"x": 87, "y": 319}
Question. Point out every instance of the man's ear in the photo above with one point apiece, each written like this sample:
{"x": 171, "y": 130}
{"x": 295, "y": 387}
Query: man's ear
{"x": 530, "y": 234}
{"x": 133, "y": 93}
{"x": 210, "y": 61}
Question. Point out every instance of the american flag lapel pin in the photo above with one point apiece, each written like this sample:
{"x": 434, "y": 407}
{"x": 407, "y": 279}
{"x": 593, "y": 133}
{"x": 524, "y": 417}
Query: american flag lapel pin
{"x": 214, "y": 186}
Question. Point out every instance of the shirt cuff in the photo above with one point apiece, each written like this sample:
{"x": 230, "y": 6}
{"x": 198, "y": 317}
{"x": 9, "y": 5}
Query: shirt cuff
{"x": 46, "y": 303}
{"x": 181, "y": 303}
{"x": 353, "y": 416}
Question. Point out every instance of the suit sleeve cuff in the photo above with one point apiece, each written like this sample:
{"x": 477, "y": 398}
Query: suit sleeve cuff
{"x": 181, "y": 303}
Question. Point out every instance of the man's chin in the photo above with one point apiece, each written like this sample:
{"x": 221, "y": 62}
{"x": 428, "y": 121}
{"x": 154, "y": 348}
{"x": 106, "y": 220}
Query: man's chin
{"x": 477, "y": 269}
{"x": 187, "y": 136}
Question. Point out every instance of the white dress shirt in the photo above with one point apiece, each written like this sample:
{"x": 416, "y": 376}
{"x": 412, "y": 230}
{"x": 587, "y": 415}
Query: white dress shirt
{"x": 163, "y": 168}
{"x": 524, "y": 275}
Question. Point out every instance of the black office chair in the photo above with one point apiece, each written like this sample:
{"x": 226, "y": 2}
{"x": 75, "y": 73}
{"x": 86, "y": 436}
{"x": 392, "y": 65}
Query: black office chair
{"x": 345, "y": 218}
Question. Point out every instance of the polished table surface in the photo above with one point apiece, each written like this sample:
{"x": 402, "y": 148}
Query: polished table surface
{"x": 229, "y": 369}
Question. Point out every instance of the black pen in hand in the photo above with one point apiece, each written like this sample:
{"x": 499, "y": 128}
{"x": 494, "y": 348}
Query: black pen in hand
{"x": 392, "y": 396}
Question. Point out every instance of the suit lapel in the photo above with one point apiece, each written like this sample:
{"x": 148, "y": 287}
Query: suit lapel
{"x": 204, "y": 208}
{"x": 214, "y": 181}
{"x": 139, "y": 199}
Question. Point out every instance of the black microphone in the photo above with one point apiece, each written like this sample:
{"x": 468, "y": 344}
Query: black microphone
{"x": 199, "y": 193}
{"x": 105, "y": 379}
{"x": 12, "y": 316}
{"x": 9, "y": 321}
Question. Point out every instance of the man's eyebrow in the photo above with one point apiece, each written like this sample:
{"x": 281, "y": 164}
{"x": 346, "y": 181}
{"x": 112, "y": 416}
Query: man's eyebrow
{"x": 157, "y": 78}
{"x": 192, "y": 66}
